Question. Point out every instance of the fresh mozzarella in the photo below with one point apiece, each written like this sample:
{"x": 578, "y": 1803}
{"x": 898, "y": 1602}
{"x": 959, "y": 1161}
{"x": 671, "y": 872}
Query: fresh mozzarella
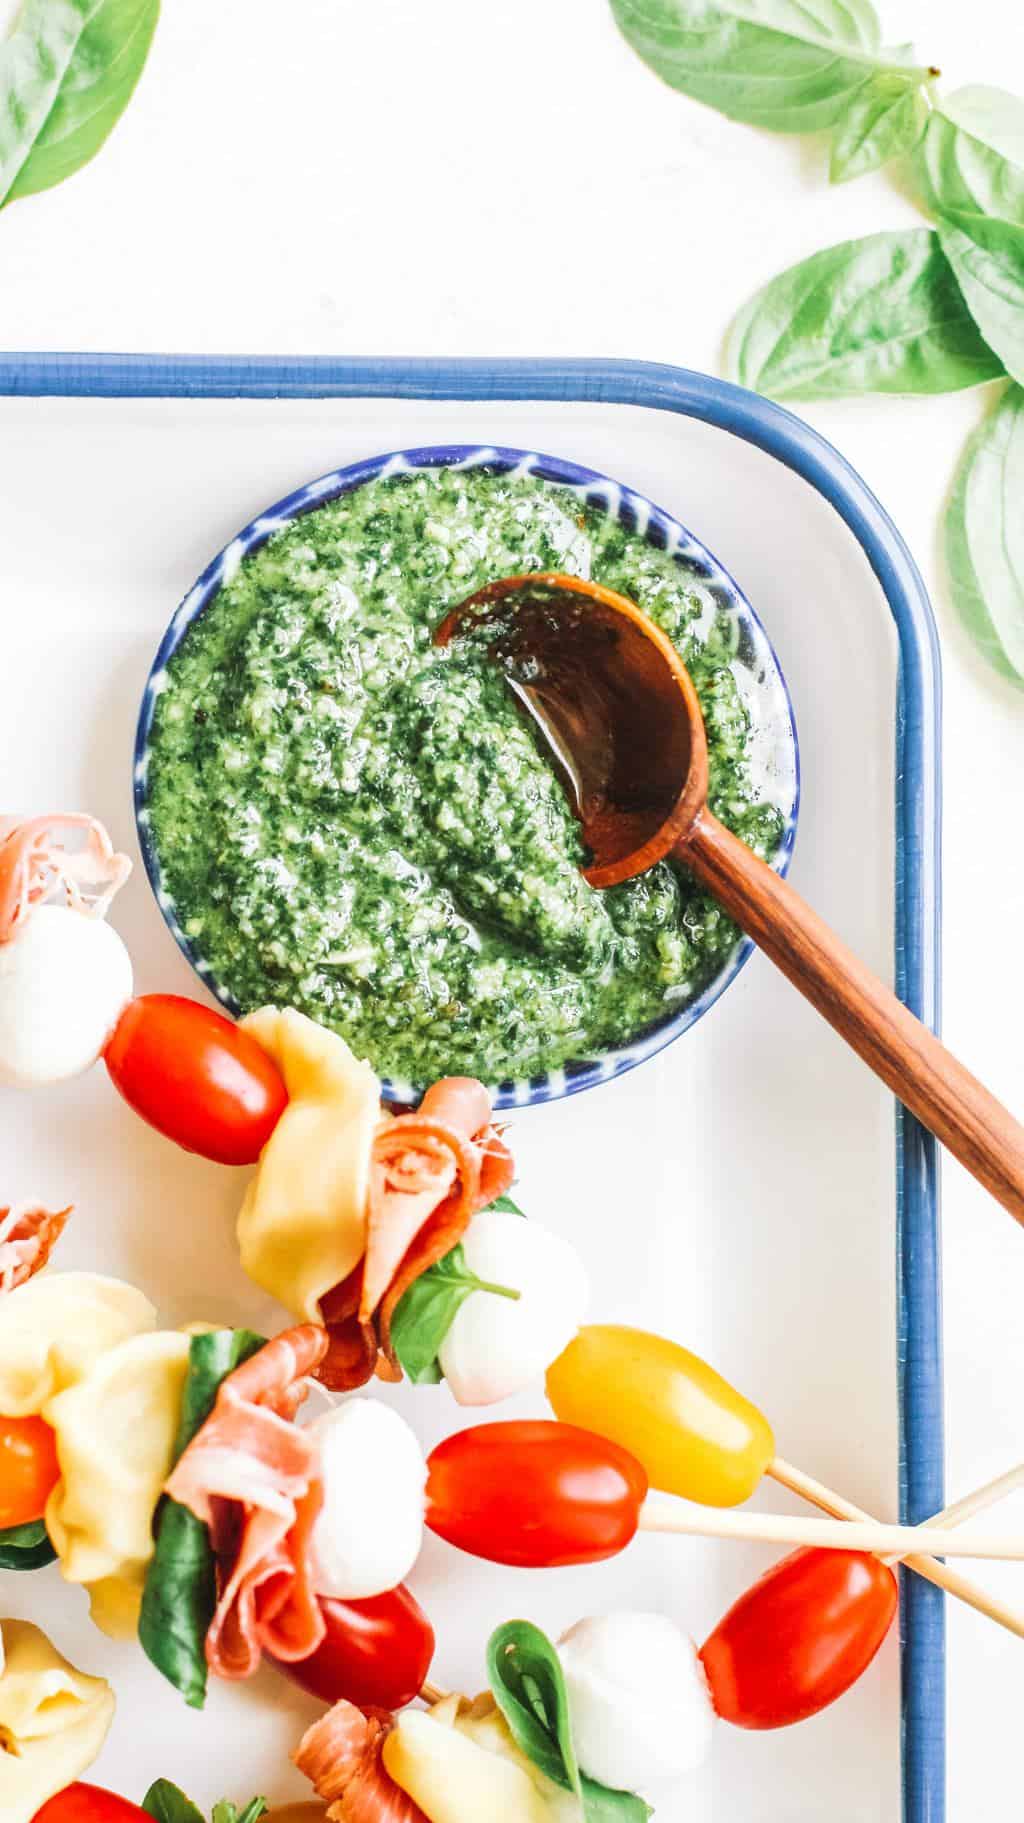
{"x": 65, "y": 979}
{"x": 497, "y": 1345}
{"x": 369, "y": 1530}
{"x": 639, "y": 1701}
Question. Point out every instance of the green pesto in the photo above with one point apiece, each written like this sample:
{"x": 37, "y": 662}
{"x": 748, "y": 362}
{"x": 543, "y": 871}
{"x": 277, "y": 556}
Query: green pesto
{"x": 357, "y": 824}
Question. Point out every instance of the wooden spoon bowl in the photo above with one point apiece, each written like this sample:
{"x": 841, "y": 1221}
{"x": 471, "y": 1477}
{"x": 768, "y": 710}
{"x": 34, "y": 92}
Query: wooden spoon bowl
{"x": 613, "y": 701}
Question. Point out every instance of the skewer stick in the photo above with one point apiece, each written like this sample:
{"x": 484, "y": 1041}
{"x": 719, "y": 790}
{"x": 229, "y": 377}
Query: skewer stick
{"x": 829, "y": 1534}
{"x": 821, "y": 1496}
{"x": 987, "y": 1496}
{"x": 940, "y": 1574}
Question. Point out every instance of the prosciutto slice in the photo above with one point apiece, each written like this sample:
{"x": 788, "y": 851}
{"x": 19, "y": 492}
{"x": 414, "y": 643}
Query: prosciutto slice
{"x": 252, "y": 1476}
{"x": 28, "y": 1236}
{"x": 429, "y": 1174}
{"x": 34, "y": 863}
{"x": 341, "y": 1757}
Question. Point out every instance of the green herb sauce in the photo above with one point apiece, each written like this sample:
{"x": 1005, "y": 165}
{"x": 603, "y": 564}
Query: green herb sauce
{"x": 355, "y": 823}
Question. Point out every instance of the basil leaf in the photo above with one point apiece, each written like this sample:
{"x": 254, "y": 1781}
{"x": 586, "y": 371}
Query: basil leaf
{"x": 170, "y": 1805}
{"x": 972, "y": 153}
{"x": 211, "y": 1358}
{"x": 425, "y": 1313}
{"x": 984, "y": 537}
{"x": 167, "y": 1804}
{"x": 67, "y": 73}
{"x": 179, "y": 1601}
{"x": 790, "y": 65}
{"x": 252, "y": 1812}
{"x": 987, "y": 255}
{"x": 180, "y": 1593}
{"x": 526, "y": 1678}
{"x": 26, "y": 1547}
{"x": 507, "y": 1206}
{"x": 229, "y": 1813}
{"x": 528, "y": 1685}
{"x": 885, "y": 117}
{"x": 882, "y": 314}
{"x": 603, "y": 1805}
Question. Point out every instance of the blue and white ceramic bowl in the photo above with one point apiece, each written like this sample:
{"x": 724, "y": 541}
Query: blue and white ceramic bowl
{"x": 774, "y": 752}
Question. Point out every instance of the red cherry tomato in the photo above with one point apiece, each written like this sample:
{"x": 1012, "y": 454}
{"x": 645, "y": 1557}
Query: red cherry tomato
{"x": 534, "y": 1493}
{"x": 196, "y": 1077}
{"x": 376, "y": 1653}
{"x": 88, "y": 1804}
{"x": 29, "y": 1470}
{"x": 799, "y": 1637}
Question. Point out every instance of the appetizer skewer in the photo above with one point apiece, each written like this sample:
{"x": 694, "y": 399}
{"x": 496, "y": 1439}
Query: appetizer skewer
{"x": 540, "y": 1493}
{"x": 272, "y": 1504}
{"x": 224, "y": 1531}
{"x": 699, "y": 1437}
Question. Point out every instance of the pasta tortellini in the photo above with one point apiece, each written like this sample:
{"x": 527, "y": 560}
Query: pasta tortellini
{"x": 115, "y": 1430}
{"x": 55, "y": 1327}
{"x": 53, "y": 1721}
{"x": 460, "y": 1763}
{"x": 302, "y": 1226}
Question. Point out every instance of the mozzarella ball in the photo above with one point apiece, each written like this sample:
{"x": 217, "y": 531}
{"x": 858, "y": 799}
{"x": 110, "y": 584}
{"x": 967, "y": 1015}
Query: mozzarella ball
{"x": 65, "y": 980}
{"x": 639, "y": 1701}
{"x": 369, "y": 1530}
{"x": 497, "y": 1345}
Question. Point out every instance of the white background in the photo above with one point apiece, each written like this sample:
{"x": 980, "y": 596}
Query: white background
{"x": 326, "y": 176}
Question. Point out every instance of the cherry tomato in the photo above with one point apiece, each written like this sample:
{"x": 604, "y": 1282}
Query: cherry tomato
{"x": 799, "y": 1637}
{"x": 196, "y": 1077}
{"x": 376, "y": 1652}
{"x": 534, "y": 1493}
{"x": 88, "y": 1804}
{"x": 29, "y": 1470}
{"x": 693, "y": 1432}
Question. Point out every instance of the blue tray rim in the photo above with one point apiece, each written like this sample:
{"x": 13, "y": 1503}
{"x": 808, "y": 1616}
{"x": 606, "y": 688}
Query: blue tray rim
{"x": 918, "y": 788}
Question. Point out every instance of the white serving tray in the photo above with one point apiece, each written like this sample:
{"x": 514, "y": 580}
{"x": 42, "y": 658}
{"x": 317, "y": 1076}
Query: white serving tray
{"x": 736, "y": 1192}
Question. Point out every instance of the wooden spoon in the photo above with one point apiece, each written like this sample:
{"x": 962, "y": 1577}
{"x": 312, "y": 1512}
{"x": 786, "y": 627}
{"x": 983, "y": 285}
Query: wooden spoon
{"x": 620, "y": 715}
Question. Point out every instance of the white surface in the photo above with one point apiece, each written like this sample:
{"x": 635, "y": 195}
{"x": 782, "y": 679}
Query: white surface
{"x": 737, "y": 1192}
{"x": 509, "y": 179}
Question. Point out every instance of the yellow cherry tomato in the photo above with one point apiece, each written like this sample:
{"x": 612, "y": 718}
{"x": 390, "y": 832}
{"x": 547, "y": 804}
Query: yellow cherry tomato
{"x": 693, "y": 1432}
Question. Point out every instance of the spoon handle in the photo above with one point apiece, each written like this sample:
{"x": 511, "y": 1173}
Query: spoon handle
{"x": 927, "y": 1078}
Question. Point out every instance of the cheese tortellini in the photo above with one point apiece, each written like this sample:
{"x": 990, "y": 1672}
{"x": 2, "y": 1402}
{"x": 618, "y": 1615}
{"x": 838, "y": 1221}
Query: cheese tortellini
{"x": 83, "y": 1353}
{"x": 460, "y": 1763}
{"x": 55, "y": 1327}
{"x": 302, "y": 1226}
{"x": 53, "y": 1721}
{"x": 115, "y": 1444}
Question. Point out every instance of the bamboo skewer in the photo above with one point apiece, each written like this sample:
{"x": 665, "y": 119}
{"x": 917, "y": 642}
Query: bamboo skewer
{"x": 987, "y": 1496}
{"x": 940, "y": 1574}
{"x": 661, "y": 1516}
{"x": 832, "y": 1534}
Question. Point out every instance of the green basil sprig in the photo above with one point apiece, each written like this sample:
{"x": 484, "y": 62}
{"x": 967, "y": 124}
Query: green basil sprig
{"x": 528, "y": 1685}
{"x": 985, "y": 537}
{"x": 26, "y": 1547}
{"x": 180, "y": 1593}
{"x": 67, "y": 73}
{"x": 168, "y": 1804}
{"x": 884, "y": 118}
{"x": 507, "y": 1207}
{"x": 972, "y": 154}
{"x": 881, "y": 314}
{"x": 426, "y": 1312}
{"x": 783, "y": 64}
